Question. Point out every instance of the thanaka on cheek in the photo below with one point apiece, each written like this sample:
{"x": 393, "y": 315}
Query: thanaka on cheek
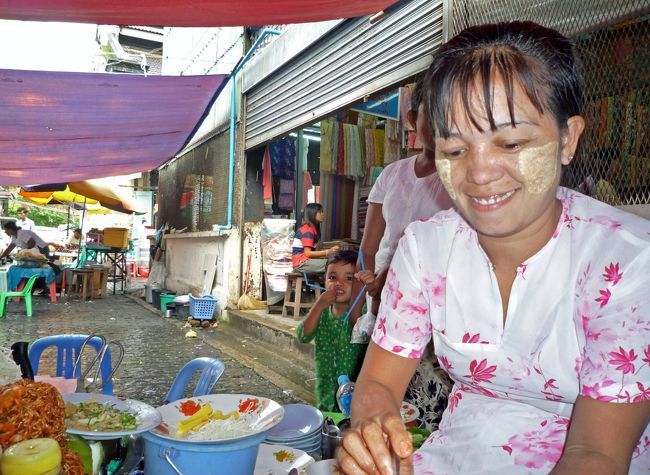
{"x": 538, "y": 167}
{"x": 443, "y": 166}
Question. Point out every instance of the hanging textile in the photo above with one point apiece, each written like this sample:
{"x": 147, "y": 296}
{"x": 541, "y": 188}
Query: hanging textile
{"x": 380, "y": 138}
{"x": 287, "y": 195}
{"x": 307, "y": 185}
{"x": 393, "y": 141}
{"x": 283, "y": 158}
{"x": 266, "y": 176}
{"x": 370, "y": 147}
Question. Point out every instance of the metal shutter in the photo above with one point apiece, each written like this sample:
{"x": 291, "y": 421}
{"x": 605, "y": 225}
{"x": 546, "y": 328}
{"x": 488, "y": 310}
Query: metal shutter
{"x": 354, "y": 60}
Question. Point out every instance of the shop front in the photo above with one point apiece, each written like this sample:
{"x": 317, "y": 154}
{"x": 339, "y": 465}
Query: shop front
{"x": 321, "y": 128}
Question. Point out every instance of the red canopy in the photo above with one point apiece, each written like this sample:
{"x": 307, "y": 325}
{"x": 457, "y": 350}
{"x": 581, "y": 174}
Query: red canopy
{"x": 62, "y": 127}
{"x": 188, "y": 13}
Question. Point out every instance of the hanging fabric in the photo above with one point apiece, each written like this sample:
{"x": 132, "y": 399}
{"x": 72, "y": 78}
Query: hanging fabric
{"x": 266, "y": 176}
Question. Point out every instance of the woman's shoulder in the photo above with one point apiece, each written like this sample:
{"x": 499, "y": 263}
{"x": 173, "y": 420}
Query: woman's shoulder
{"x": 592, "y": 219}
{"x": 443, "y": 223}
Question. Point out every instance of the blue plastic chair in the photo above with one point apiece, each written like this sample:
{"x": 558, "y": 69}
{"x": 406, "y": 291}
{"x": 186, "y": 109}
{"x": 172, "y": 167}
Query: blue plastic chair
{"x": 67, "y": 350}
{"x": 212, "y": 371}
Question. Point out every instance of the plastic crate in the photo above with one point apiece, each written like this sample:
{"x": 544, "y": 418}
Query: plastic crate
{"x": 116, "y": 237}
{"x": 95, "y": 239}
{"x": 202, "y": 308}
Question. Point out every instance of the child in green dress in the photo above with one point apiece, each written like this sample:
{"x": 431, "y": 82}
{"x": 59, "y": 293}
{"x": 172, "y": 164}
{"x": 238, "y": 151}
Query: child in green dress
{"x": 334, "y": 353}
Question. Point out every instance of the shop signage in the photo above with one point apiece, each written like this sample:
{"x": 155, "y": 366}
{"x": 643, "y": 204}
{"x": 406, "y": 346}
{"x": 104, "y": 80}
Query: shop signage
{"x": 386, "y": 105}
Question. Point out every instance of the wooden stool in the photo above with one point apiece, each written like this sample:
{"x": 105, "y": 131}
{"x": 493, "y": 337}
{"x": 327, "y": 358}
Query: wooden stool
{"x": 99, "y": 283}
{"x": 294, "y": 286}
{"x": 80, "y": 283}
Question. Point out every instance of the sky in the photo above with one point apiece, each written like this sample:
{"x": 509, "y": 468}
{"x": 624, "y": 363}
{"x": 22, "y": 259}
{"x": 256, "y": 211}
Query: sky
{"x": 47, "y": 46}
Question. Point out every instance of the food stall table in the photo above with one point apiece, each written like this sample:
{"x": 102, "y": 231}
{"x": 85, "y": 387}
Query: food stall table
{"x": 17, "y": 275}
{"x": 114, "y": 256}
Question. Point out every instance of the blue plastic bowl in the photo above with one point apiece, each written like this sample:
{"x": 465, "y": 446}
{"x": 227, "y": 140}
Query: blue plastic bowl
{"x": 236, "y": 458}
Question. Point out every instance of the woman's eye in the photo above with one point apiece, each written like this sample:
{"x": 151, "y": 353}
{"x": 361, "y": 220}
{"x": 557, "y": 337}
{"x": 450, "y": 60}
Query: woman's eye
{"x": 512, "y": 146}
{"x": 453, "y": 153}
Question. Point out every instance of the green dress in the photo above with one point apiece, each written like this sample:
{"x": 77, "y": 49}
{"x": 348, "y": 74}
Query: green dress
{"x": 334, "y": 354}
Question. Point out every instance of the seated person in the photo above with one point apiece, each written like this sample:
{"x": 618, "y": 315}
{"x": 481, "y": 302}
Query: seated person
{"x": 74, "y": 241}
{"x": 304, "y": 257}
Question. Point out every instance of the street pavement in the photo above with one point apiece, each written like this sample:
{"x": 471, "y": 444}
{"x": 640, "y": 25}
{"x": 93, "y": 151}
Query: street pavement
{"x": 156, "y": 347}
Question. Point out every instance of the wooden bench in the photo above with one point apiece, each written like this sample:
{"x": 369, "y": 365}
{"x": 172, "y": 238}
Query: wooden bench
{"x": 295, "y": 281}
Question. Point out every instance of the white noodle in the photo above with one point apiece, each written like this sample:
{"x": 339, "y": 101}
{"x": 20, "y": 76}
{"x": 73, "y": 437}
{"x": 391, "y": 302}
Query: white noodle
{"x": 221, "y": 429}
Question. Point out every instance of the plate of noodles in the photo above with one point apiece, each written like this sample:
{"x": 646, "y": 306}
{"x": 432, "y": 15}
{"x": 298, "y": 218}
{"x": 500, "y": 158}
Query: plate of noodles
{"x": 101, "y": 416}
{"x": 218, "y": 418}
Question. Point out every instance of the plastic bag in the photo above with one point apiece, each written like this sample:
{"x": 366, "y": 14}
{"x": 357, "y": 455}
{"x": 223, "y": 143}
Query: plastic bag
{"x": 363, "y": 328}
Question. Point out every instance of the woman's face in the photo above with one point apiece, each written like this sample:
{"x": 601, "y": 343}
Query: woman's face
{"x": 320, "y": 216}
{"x": 504, "y": 181}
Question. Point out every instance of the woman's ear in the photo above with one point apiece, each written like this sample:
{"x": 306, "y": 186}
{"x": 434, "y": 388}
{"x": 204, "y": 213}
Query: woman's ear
{"x": 570, "y": 138}
{"x": 412, "y": 118}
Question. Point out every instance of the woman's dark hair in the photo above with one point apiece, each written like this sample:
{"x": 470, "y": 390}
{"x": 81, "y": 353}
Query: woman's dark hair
{"x": 11, "y": 225}
{"x": 539, "y": 59}
{"x": 77, "y": 230}
{"x": 417, "y": 95}
{"x": 309, "y": 216}
{"x": 345, "y": 256}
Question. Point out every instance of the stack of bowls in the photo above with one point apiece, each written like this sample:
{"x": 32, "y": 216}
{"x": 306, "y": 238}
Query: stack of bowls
{"x": 300, "y": 429}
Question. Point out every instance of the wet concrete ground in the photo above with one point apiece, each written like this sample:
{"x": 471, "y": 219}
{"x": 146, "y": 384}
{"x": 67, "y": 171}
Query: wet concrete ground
{"x": 155, "y": 347}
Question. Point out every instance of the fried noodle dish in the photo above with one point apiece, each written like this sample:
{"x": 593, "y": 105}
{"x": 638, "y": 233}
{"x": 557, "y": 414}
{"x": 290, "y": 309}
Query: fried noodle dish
{"x": 30, "y": 410}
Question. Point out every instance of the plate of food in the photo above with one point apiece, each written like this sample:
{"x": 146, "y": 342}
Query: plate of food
{"x": 280, "y": 459}
{"x": 102, "y": 417}
{"x": 218, "y": 418}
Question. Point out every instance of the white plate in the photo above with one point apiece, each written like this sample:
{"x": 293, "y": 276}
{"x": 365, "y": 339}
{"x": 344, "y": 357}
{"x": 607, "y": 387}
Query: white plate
{"x": 262, "y": 414}
{"x": 324, "y": 467}
{"x": 408, "y": 412}
{"x": 146, "y": 416}
{"x": 270, "y": 460}
{"x": 300, "y": 421}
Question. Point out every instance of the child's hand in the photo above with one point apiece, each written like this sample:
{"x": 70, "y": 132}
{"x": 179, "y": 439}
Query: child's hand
{"x": 373, "y": 283}
{"x": 327, "y": 298}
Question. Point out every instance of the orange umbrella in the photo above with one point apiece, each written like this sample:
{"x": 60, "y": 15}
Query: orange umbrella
{"x": 88, "y": 192}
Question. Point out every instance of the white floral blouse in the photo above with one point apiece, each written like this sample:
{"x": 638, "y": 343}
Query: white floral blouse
{"x": 578, "y": 323}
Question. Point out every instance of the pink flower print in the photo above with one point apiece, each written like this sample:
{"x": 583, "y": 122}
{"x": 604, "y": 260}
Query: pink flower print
{"x": 415, "y": 354}
{"x": 540, "y": 448}
{"x": 381, "y": 325}
{"x": 445, "y": 363}
{"x": 393, "y": 293}
{"x": 623, "y": 359}
{"x": 521, "y": 270}
{"x": 644, "y": 394}
{"x": 550, "y": 384}
{"x": 398, "y": 349}
{"x": 471, "y": 339}
{"x": 612, "y": 273}
{"x": 437, "y": 287}
{"x": 480, "y": 372}
{"x": 454, "y": 400}
{"x": 604, "y": 297}
{"x": 507, "y": 448}
{"x": 414, "y": 308}
{"x": 594, "y": 392}
{"x": 647, "y": 355}
{"x": 607, "y": 222}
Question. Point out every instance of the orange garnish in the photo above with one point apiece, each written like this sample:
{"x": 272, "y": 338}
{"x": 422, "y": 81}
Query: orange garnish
{"x": 189, "y": 408}
{"x": 249, "y": 405}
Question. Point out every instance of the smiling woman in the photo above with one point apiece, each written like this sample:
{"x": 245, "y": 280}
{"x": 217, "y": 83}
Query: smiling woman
{"x": 535, "y": 296}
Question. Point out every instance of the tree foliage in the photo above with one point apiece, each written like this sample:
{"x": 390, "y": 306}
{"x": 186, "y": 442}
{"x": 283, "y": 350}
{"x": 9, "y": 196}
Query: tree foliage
{"x": 44, "y": 216}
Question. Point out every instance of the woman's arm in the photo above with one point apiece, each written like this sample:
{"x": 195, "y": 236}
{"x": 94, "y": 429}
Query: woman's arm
{"x": 378, "y": 393}
{"x": 602, "y": 437}
{"x": 312, "y": 254}
{"x": 372, "y": 234}
{"x": 7, "y": 251}
{"x": 30, "y": 244}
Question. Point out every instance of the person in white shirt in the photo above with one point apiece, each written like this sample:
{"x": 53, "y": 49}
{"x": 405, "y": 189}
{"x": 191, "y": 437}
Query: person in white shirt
{"x": 25, "y": 223}
{"x": 23, "y": 239}
{"x": 74, "y": 240}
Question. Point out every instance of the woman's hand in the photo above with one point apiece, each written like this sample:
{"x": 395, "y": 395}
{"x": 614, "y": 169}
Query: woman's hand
{"x": 374, "y": 445}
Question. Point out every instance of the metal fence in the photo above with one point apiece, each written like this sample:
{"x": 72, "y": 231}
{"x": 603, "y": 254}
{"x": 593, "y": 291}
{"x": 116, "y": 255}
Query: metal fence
{"x": 611, "y": 38}
{"x": 193, "y": 190}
